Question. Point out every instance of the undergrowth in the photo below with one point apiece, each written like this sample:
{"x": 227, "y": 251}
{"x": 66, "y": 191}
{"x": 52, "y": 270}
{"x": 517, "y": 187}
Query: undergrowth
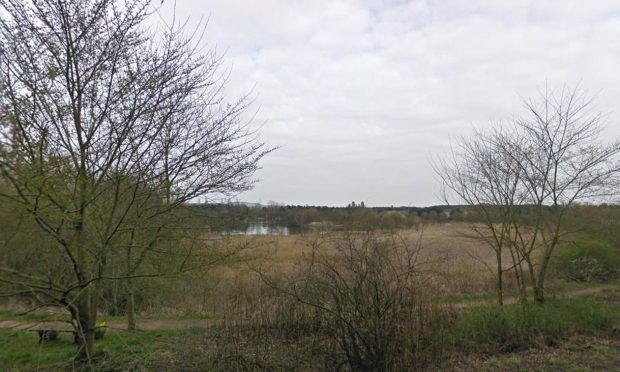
{"x": 304, "y": 343}
{"x": 492, "y": 329}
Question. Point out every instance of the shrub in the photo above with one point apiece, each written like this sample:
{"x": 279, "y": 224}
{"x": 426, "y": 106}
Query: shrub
{"x": 588, "y": 261}
{"x": 368, "y": 291}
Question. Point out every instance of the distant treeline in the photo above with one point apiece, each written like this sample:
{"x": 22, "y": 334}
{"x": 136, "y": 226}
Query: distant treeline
{"x": 225, "y": 217}
{"x": 238, "y": 216}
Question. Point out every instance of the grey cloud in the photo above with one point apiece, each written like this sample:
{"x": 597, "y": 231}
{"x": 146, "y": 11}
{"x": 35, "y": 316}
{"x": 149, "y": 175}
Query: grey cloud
{"x": 361, "y": 93}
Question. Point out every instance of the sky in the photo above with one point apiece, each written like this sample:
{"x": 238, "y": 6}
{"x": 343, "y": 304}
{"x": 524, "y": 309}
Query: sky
{"x": 360, "y": 96}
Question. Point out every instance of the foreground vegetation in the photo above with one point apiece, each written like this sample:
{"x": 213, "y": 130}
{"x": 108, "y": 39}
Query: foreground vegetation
{"x": 564, "y": 334}
{"x": 348, "y": 300}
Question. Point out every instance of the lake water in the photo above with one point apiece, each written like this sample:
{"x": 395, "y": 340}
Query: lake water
{"x": 259, "y": 228}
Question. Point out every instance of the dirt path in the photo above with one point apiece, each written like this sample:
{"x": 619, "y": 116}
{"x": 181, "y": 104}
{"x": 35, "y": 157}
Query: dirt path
{"x": 513, "y": 299}
{"x": 142, "y": 325}
{"x": 205, "y": 323}
{"x": 25, "y": 326}
{"x": 165, "y": 324}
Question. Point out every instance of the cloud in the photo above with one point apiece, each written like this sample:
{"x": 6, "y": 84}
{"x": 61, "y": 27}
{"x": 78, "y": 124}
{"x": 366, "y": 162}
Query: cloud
{"x": 360, "y": 94}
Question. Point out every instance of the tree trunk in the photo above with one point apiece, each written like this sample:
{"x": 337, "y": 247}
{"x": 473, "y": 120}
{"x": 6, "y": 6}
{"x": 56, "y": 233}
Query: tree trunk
{"x": 131, "y": 310}
{"x": 131, "y": 306}
{"x": 86, "y": 316}
{"x": 539, "y": 294}
{"x": 517, "y": 264}
{"x": 86, "y": 336}
{"x": 521, "y": 283}
{"x": 539, "y": 285}
{"x": 86, "y": 319}
{"x": 533, "y": 280}
{"x": 500, "y": 280}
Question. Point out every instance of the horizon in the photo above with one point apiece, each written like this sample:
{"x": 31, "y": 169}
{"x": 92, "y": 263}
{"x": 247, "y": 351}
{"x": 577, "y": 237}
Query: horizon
{"x": 276, "y": 204}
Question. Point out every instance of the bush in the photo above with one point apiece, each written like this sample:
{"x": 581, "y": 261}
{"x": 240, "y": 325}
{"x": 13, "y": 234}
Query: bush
{"x": 367, "y": 290}
{"x": 588, "y": 261}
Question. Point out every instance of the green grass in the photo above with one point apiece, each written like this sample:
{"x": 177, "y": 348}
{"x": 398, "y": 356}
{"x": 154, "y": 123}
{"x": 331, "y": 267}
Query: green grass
{"x": 35, "y": 316}
{"x": 575, "y": 354}
{"x": 21, "y": 351}
{"x": 492, "y": 329}
{"x": 588, "y": 261}
{"x": 557, "y": 289}
{"x": 116, "y": 351}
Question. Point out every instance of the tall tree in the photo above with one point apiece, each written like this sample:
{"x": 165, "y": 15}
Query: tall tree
{"x": 562, "y": 158}
{"x": 530, "y": 173}
{"x": 104, "y": 120}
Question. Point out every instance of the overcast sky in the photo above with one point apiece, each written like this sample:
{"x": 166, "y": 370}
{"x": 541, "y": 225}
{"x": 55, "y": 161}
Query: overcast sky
{"x": 361, "y": 94}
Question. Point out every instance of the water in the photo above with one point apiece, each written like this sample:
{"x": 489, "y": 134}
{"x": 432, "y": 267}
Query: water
{"x": 261, "y": 228}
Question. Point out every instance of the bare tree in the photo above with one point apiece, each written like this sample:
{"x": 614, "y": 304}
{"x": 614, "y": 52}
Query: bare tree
{"x": 487, "y": 179}
{"x": 562, "y": 160}
{"x": 544, "y": 163}
{"x": 106, "y": 124}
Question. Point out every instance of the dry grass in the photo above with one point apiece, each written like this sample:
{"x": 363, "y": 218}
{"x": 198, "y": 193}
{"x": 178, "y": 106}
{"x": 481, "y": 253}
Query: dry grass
{"x": 462, "y": 266}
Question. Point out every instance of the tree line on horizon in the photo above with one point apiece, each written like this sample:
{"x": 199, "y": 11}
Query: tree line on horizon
{"x": 222, "y": 217}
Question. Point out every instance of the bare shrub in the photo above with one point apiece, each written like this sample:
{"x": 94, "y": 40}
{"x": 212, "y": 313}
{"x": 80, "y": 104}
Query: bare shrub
{"x": 368, "y": 290}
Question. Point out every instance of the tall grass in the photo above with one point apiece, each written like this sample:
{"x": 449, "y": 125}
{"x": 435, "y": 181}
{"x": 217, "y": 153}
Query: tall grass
{"x": 493, "y": 329}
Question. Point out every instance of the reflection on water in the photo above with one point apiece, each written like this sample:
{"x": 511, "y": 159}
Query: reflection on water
{"x": 260, "y": 228}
